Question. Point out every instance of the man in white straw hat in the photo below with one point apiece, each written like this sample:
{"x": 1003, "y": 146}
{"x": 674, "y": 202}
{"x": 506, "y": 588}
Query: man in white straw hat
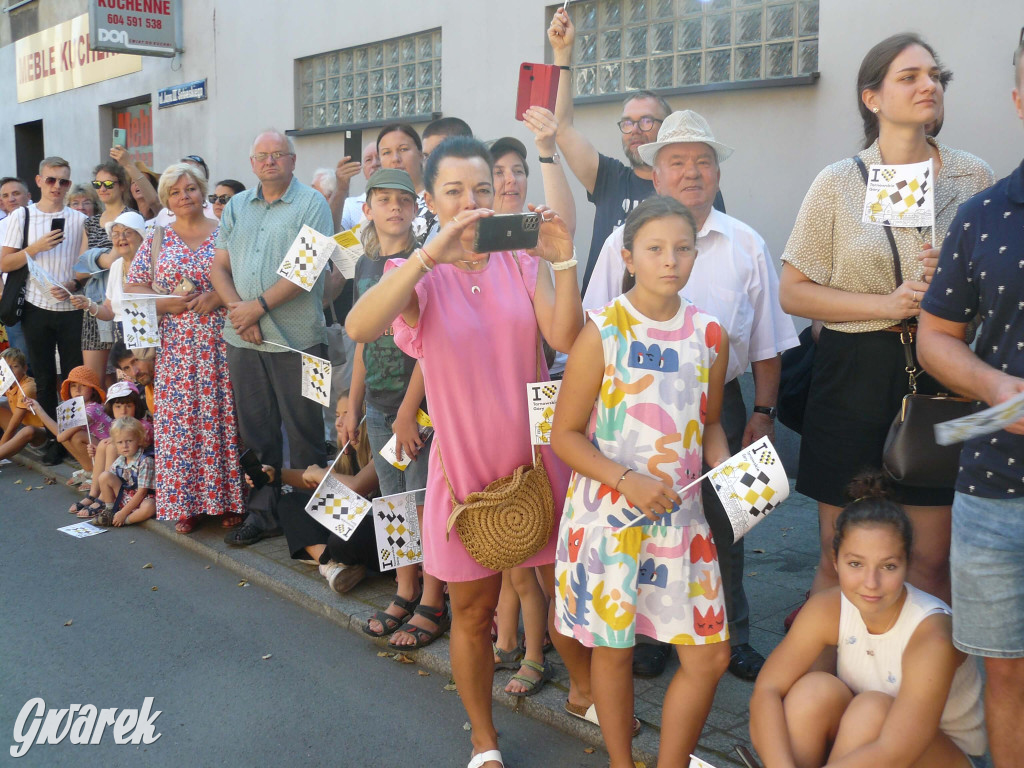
{"x": 735, "y": 280}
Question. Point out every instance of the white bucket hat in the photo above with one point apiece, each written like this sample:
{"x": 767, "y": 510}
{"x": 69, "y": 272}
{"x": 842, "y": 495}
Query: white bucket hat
{"x": 683, "y": 127}
{"x": 130, "y": 219}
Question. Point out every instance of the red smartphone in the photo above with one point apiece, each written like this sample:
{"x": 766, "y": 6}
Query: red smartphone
{"x": 538, "y": 87}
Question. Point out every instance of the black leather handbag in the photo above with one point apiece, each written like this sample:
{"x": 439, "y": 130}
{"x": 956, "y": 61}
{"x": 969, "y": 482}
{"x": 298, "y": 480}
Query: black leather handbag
{"x": 12, "y": 300}
{"x": 910, "y": 454}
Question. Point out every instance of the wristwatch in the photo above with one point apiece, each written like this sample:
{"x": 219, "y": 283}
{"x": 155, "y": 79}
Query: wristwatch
{"x": 553, "y": 159}
{"x": 768, "y": 410}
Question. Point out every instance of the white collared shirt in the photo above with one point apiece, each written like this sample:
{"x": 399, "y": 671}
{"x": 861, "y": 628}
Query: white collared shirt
{"x": 733, "y": 279}
{"x": 59, "y": 261}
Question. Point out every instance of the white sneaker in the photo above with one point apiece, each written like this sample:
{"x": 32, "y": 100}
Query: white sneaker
{"x": 342, "y": 578}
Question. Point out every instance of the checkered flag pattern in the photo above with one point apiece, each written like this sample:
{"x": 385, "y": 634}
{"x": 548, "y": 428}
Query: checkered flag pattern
{"x": 316, "y": 379}
{"x": 140, "y": 325}
{"x": 396, "y": 528}
{"x": 336, "y": 507}
{"x": 7, "y": 377}
{"x": 71, "y": 413}
{"x": 306, "y": 257}
{"x": 900, "y": 195}
{"x": 750, "y": 485}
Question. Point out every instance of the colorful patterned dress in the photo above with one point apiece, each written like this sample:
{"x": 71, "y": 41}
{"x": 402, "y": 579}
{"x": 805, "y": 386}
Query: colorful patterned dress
{"x": 195, "y": 432}
{"x": 660, "y": 580}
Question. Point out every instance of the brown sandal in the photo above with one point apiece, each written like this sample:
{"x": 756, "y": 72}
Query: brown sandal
{"x": 424, "y": 637}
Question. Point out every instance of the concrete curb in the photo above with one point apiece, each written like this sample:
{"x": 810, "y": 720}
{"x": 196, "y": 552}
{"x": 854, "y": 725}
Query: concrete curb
{"x": 351, "y": 613}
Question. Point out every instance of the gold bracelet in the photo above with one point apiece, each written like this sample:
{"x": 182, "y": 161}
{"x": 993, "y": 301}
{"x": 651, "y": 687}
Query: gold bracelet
{"x": 621, "y": 478}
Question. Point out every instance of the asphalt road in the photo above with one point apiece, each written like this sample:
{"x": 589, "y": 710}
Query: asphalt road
{"x": 82, "y": 621}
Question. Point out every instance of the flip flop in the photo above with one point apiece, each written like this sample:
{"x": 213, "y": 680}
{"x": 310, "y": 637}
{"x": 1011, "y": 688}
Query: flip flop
{"x": 491, "y": 755}
{"x": 590, "y": 715}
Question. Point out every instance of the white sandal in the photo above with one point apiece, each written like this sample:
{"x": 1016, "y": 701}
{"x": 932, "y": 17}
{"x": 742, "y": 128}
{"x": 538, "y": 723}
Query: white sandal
{"x": 485, "y": 757}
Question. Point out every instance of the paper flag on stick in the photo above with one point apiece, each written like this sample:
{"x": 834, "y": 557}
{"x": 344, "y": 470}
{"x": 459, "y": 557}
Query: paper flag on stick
{"x": 696, "y": 762}
{"x": 306, "y": 257}
{"x": 750, "y": 485}
{"x": 350, "y": 248}
{"x": 900, "y": 195}
{"x": 316, "y": 379}
{"x": 7, "y": 377}
{"x": 397, "y": 529}
{"x": 39, "y": 273}
{"x": 139, "y": 325}
{"x": 981, "y": 423}
{"x": 71, "y": 413}
{"x": 540, "y": 398}
{"x": 337, "y": 507}
{"x": 82, "y": 530}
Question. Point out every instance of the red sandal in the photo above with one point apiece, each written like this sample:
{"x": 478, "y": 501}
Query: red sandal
{"x": 187, "y": 524}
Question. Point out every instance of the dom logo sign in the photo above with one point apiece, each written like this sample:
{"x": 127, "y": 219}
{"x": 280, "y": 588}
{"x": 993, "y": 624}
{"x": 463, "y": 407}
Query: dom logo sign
{"x": 143, "y": 27}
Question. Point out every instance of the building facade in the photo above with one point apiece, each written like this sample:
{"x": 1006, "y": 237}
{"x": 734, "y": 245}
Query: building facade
{"x": 775, "y": 78}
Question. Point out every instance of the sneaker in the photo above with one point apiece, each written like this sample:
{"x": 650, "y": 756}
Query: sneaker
{"x": 247, "y": 534}
{"x": 53, "y": 453}
{"x": 341, "y": 577}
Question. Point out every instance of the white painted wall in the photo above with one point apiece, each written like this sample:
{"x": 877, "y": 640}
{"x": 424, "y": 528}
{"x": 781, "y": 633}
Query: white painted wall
{"x": 782, "y": 136}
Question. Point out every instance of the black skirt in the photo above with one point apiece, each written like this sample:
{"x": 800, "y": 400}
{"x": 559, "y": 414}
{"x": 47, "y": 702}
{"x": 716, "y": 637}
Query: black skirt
{"x": 857, "y": 388}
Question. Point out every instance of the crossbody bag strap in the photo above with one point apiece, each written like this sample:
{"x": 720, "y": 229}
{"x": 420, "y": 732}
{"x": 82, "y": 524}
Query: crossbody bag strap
{"x": 907, "y": 334}
{"x": 154, "y": 254}
{"x": 24, "y": 233}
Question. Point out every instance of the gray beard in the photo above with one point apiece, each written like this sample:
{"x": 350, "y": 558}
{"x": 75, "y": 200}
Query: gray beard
{"x": 634, "y": 159}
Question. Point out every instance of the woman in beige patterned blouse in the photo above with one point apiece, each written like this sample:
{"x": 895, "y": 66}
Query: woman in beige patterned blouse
{"x": 839, "y": 270}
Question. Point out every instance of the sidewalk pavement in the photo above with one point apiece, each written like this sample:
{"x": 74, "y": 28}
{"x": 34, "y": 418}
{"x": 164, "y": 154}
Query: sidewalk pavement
{"x": 781, "y": 555}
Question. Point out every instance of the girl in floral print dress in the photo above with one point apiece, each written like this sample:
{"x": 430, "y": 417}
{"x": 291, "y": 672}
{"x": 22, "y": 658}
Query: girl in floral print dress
{"x": 631, "y": 438}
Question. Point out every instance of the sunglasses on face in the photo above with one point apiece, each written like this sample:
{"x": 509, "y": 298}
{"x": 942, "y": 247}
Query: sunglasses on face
{"x": 222, "y": 199}
{"x": 103, "y": 184}
{"x": 62, "y": 183}
{"x": 646, "y": 123}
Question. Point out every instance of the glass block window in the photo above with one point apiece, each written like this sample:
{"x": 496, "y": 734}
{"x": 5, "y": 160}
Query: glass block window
{"x": 625, "y": 45}
{"x": 385, "y": 81}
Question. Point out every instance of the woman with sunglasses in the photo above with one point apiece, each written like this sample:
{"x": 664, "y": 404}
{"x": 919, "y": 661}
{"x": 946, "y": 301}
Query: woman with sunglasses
{"x": 111, "y": 185}
{"x": 224, "y": 191}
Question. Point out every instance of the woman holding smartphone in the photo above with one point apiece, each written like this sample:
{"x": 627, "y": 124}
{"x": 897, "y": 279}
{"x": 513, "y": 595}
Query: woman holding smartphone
{"x": 473, "y": 321}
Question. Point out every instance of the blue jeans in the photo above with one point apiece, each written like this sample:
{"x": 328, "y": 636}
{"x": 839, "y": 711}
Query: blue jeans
{"x": 393, "y": 480}
{"x": 987, "y": 565}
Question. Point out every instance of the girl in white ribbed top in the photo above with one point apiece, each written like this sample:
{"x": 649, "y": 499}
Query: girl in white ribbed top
{"x": 902, "y": 695}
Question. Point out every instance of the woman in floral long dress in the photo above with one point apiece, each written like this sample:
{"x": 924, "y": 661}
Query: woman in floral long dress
{"x": 195, "y": 432}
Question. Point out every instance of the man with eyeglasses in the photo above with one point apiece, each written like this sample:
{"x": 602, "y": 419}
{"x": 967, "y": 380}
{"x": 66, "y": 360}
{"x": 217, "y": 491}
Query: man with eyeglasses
{"x": 50, "y": 324}
{"x": 257, "y": 227}
{"x": 612, "y": 186}
{"x": 981, "y": 275}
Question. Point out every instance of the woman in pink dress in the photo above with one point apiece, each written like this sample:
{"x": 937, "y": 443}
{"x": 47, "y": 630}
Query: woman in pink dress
{"x": 472, "y": 321}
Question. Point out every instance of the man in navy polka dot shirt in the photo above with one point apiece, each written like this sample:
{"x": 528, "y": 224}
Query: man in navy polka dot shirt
{"x": 981, "y": 274}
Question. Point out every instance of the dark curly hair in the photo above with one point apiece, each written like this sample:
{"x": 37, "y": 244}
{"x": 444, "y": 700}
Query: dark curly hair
{"x": 872, "y": 505}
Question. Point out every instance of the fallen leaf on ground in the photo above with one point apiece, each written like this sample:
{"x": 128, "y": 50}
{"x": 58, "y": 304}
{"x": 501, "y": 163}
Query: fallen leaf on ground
{"x": 758, "y": 551}
{"x": 267, "y": 656}
{"x": 28, "y": 489}
{"x": 639, "y": 765}
{"x": 467, "y": 727}
{"x": 243, "y": 582}
{"x": 68, "y": 622}
{"x": 207, "y": 567}
{"x": 153, "y": 589}
{"x": 401, "y": 658}
{"x": 382, "y": 654}
{"x": 132, "y": 541}
{"x": 50, "y": 481}
{"x": 18, "y": 481}
{"x": 752, "y": 573}
{"x": 147, "y": 565}
{"x": 450, "y": 687}
{"x": 422, "y": 673}
{"x": 589, "y": 750}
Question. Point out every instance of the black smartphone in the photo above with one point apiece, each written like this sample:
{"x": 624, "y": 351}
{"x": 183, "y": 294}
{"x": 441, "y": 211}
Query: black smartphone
{"x": 354, "y": 145}
{"x": 253, "y": 467}
{"x": 506, "y": 232}
{"x": 57, "y": 224}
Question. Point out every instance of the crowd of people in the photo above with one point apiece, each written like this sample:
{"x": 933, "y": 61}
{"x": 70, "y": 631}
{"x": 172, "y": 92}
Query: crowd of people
{"x": 678, "y": 300}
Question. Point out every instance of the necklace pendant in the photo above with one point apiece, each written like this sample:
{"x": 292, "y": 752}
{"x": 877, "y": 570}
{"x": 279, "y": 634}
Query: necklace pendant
{"x": 475, "y": 289}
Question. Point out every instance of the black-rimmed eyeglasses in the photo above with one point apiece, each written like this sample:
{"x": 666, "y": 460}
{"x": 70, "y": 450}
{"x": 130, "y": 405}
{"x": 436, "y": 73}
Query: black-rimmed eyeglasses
{"x": 645, "y": 123}
{"x": 1020, "y": 47}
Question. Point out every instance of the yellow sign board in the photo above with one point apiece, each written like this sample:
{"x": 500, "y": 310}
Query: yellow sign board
{"x": 59, "y": 59}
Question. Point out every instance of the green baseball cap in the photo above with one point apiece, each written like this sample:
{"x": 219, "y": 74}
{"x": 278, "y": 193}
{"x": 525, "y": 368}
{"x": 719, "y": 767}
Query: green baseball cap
{"x": 391, "y": 178}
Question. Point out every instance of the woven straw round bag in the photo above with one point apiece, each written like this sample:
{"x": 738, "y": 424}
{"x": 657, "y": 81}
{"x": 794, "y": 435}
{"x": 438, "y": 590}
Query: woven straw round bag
{"x": 509, "y": 521}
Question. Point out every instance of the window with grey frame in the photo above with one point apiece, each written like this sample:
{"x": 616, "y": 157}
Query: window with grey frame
{"x": 385, "y": 81}
{"x": 627, "y": 45}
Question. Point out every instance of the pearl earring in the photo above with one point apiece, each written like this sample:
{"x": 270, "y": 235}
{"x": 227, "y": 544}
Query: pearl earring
{"x": 875, "y": 110}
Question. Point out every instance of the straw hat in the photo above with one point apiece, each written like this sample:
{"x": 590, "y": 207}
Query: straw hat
{"x": 683, "y": 127}
{"x": 83, "y": 374}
